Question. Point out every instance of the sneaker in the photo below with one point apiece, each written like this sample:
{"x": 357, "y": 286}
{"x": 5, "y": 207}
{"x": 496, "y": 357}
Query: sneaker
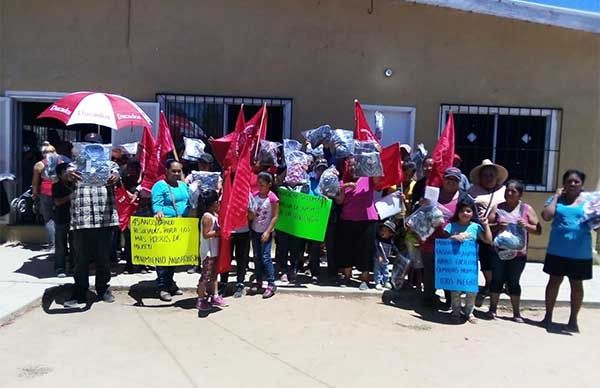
{"x": 455, "y": 318}
{"x": 269, "y": 292}
{"x": 240, "y": 291}
{"x": 165, "y": 296}
{"x": 388, "y": 286}
{"x": 176, "y": 291}
{"x": 143, "y": 271}
{"x": 193, "y": 270}
{"x": 256, "y": 288}
{"x": 314, "y": 280}
{"x": 74, "y": 303}
{"x": 471, "y": 319}
{"x": 284, "y": 278}
{"x": 363, "y": 286}
{"x": 481, "y": 295}
{"x": 219, "y": 301}
{"x": 378, "y": 287}
{"x": 107, "y": 297}
{"x": 61, "y": 274}
{"x": 203, "y": 305}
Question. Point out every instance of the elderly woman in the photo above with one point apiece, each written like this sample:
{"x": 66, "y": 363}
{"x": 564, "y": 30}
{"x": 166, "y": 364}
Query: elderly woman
{"x": 450, "y": 195}
{"x": 357, "y": 226}
{"x": 170, "y": 198}
{"x": 508, "y": 271}
{"x": 41, "y": 188}
{"x": 487, "y": 192}
{"x": 569, "y": 251}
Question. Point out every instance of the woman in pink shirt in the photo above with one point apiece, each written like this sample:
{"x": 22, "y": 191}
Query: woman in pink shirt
{"x": 357, "y": 227}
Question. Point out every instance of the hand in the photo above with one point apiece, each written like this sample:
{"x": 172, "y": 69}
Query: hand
{"x": 351, "y": 185}
{"x": 210, "y": 140}
{"x": 34, "y": 196}
{"x": 522, "y": 223}
{"x": 459, "y": 237}
{"x": 559, "y": 192}
{"x": 265, "y": 237}
{"x": 424, "y": 202}
{"x": 133, "y": 197}
{"x": 159, "y": 216}
{"x": 73, "y": 175}
{"x": 112, "y": 180}
{"x": 484, "y": 221}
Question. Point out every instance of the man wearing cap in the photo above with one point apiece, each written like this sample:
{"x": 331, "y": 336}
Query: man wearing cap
{"x": 93, "y": 217}
{"x": 487, "y": 192}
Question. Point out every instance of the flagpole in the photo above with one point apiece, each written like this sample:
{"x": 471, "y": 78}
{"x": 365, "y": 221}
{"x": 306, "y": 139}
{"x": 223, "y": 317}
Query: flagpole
{"x": 262, "y": 118}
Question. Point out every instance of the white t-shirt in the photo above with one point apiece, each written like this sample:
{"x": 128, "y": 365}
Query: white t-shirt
{"x": 263, "y": 208}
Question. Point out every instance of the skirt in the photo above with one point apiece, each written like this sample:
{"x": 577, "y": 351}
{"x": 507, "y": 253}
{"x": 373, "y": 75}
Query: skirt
{"x": 355, "y": 244}
{"x": 576, "y": 269}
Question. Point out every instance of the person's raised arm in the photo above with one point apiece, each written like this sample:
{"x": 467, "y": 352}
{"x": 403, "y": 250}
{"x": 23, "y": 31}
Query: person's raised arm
{"x": 550, "y": 209}
{"x": 486, "y": 234}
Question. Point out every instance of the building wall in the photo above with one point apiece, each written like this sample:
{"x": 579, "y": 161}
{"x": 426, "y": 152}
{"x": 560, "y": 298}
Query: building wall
{"x": 321, "y": 53}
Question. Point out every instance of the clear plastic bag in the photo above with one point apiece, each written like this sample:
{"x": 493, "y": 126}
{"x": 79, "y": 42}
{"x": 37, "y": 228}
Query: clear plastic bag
{"x": 418, "y": 158}
{"x": 399, "y": 271}
{"x": 297, "y": 165}
{"x": 318, "y": 136}
{"x": 368, "y": 164}
{"x": 329, "y": 184}
{"x": 290, "y": 145}
{"x": 194, "y": 149}
{"x": 379, "y": 124}
{"x": 362, "y": 146}
{"x": 207, "y": 180}
{"x": 343, "y": 143}
{"x": 317, "y": 152}
{"x": 513, "y": 238}
{"x": 591, "y": 210}
{"x": 51, "y": 161}
{"x": 425, "y": 221}
{"x": 267, "y": 156}
{"x": 93, "y": 163}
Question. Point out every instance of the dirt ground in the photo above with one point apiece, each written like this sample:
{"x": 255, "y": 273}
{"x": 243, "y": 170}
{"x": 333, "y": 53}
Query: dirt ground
{"x": 289, "y": 341}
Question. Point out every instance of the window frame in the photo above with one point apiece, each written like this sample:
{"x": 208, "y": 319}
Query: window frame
{"x": 554, "y": 117}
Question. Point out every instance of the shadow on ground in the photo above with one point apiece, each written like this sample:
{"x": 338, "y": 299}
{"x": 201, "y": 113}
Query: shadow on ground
{"x": 54, "y": 298}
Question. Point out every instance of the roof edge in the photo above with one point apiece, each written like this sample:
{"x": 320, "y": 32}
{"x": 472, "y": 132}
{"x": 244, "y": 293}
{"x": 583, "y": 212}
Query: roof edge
{"x": 521, "y": 10}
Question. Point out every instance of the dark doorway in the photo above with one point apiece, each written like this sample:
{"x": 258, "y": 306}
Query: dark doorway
{"x": 274, "y": 117}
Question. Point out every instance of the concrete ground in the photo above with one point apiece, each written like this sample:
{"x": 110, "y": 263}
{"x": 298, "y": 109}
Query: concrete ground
{"x": 288, "y": 341}
{"x": 26, "y": 272}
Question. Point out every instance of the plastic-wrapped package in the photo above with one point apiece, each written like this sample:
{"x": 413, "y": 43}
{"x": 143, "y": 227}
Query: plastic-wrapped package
{"x": 267, "y": 156}
{"x": 425, "y": 220}
{"x": 207, "y": 180}
{"x": 513, "y": 238}
{"x": 194, "y": 149}
{"x": 399, "y": 272}
{"x": 318, "y": 135}
{"x": 51, "y": 161}
{"x": 290, "y": 145}
{"x": 297, "y": 165}
{"x": 418, "y": 158}
{"x": 379, "y": 124}
{"x": 128, "y": 148}
{"x": 317, "y": 153}
{"x": 329, "y": 184}
{"x": 591, "y": 210}
{"x": 93, "y": 163}
{"x": 343, "y": 143}
{"x": 368, "y": 164}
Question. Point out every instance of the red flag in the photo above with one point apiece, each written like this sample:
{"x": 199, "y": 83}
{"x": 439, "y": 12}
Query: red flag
{"x": 255, "y": 130}
{"x": 392, "y": 167}
{"x": 146, "y": 147}
{"x": 443, "y": 154}
{"x": 227, "y": 148}
{"x": 125, "y": 208}
{"x": 362, "y": 130}
{"x": 155, "y": 169}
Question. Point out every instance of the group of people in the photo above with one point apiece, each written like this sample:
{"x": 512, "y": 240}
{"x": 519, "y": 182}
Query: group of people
{"x": 478, "y": 208}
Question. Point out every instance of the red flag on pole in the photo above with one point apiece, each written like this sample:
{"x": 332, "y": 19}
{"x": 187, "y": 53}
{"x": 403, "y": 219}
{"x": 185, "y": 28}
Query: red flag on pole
{"x": 227, "y": 149}
{"x": 362, "y": 130}
{"x": 125, "y": 208}
{"x": 255, "y": 130}
{"x": 392, "y": 167}
{"x": 155, "y": 169}
{"x": 443, "y": 154}
{"x": 146, "y": 147}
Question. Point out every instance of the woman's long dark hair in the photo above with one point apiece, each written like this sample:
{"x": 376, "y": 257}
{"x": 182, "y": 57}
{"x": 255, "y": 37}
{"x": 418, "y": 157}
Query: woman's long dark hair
{"x": 462, "y": 203}
{"x": 206, "y": 200}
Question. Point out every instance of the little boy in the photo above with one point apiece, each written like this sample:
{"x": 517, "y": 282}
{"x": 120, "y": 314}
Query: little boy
{"x": 385, "y": 249}
{"x": 61, "y": 194}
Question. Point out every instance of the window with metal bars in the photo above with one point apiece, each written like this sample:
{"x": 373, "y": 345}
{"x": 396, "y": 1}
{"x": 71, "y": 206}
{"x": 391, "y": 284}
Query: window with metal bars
{"x": 525, "y": 140}
{"x": 203, "y": 116}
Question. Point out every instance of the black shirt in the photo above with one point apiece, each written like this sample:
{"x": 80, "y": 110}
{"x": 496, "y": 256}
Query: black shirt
{"x": 62, "y": 214}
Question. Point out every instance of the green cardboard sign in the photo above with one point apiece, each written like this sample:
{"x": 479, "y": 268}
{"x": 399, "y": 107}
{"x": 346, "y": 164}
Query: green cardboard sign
{"x": 303, "y": 215}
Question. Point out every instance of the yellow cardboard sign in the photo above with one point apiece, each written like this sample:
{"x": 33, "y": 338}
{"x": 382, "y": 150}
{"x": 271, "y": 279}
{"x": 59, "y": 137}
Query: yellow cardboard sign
{"x": 168, "y": 242}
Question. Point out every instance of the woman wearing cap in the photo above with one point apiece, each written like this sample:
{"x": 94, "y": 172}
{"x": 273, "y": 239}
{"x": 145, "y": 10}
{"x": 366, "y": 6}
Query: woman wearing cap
{"x": 487, "y": 192}
{"x": 450, "y": 196}
{"x": 569, "y": 251}
{"x": 509, "y": 269}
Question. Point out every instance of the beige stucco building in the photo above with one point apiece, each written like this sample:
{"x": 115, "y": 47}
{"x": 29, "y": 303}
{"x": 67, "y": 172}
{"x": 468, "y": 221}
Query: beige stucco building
{"x": 525, "y": 84}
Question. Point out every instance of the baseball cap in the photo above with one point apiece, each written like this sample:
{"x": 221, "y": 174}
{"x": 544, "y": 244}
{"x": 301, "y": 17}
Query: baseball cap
{"x": 390, "y": 225}
{"x": 452, "y": 172}
{"x": 206, "y": 158}
{"x": 93, "y": 137}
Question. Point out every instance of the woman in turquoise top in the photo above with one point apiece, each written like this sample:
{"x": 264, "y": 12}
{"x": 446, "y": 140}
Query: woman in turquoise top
{"x": 170, "y": 198}
{"x": 569, "y": 250}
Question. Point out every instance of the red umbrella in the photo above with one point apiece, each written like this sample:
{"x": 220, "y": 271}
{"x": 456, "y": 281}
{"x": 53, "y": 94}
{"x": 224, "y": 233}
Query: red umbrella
{"x": 108, "y": 110}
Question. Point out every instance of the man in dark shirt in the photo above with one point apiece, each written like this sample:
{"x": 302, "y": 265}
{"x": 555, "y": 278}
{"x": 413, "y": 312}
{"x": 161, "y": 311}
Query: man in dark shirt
{"x": 61, "y": 195}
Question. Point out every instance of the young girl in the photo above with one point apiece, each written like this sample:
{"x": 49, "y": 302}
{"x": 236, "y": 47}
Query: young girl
{"x": 209, "y": 251}
{"x": 462, "y": 228}
{"x": 263, "y": 215}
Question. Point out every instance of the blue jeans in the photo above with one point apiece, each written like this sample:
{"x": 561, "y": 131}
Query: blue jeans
{"x": 381, "y": 273}
{"x": 164, "y": 279}
{"x": 262, "y": 258}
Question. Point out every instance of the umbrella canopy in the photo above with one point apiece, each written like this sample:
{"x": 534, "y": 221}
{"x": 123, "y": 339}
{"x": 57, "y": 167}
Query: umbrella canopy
{"x": 108, "y": 110}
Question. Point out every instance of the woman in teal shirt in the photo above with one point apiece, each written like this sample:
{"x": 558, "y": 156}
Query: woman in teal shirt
{"x": 569, "y": 250}
{"x": 170, "y": 198}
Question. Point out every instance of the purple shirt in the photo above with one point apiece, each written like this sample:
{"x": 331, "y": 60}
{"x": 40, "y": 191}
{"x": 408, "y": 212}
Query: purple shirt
{"x": 358, "y": 202}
